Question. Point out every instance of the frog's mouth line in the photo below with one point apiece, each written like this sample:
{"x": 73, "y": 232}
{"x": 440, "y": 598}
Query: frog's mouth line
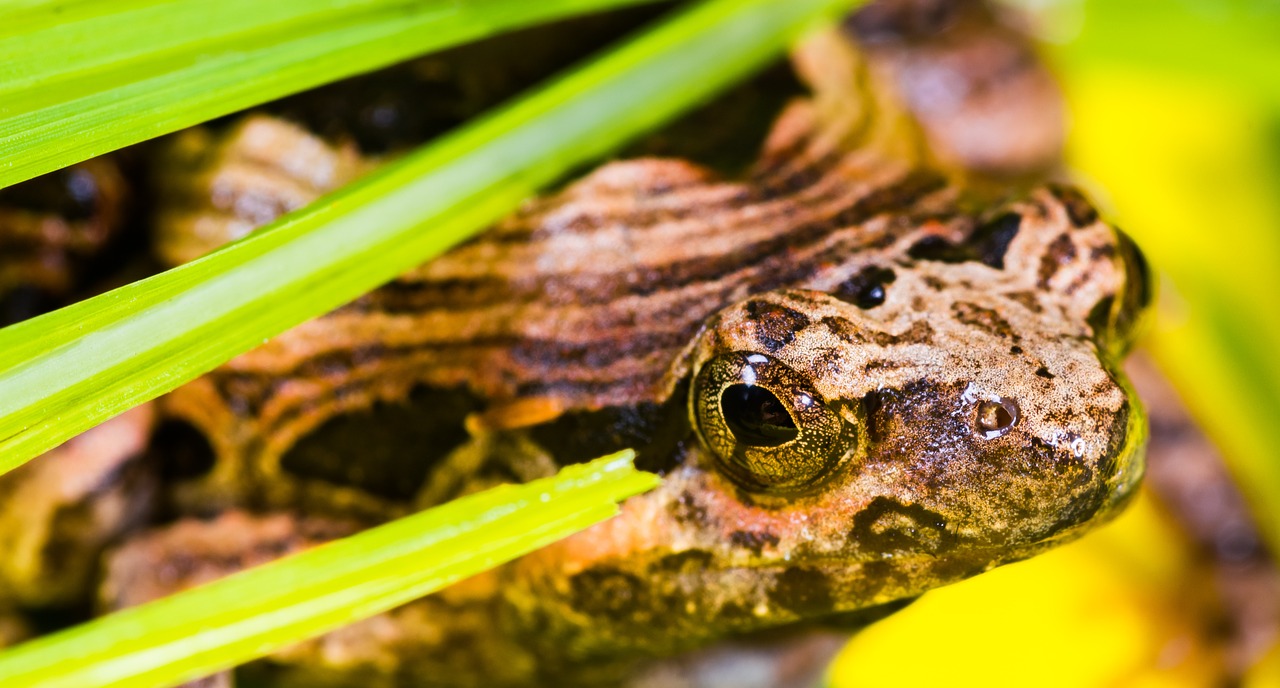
{"x": 984, "y": 556}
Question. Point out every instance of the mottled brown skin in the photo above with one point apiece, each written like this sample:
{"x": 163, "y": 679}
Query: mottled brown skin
{"x": 948, "y": 373}
{"x": 52, "y": 229}
{"x": 58, "y": 513}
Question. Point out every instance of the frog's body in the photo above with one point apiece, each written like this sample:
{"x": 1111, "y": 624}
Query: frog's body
{"x": 857, "y": 385}
{"x": 856, "y": 388}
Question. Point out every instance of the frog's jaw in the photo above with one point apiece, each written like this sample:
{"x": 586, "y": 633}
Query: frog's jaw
{"x": 907, "y": 514}
{"x": 697, "y": 560}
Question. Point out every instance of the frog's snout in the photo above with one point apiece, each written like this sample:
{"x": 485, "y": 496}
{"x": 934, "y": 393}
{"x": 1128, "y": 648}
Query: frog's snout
{"x": 1102, "y": 483}
{"x": 1121, "y": 469}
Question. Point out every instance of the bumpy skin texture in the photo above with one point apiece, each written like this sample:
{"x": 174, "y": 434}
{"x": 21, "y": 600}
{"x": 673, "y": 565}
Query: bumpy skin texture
{"x": 947, "y": 372}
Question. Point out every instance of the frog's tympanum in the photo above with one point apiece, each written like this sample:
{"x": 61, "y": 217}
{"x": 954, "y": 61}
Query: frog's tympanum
{"x": 858, "y": 384}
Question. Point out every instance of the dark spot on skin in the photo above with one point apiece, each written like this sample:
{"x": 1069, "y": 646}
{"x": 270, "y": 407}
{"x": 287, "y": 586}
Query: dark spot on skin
{"x": 688, "y": 561}
{"x": 1028, "y": 299}
{"x": 934, "y": 283}
{"x": 829, "y": 360}
{"x": 987, "y": 244}
{"x": 686, "y": 509}
{"x": 1060, "y": 252}
{"x": 920, "y": 332}
{"x": 1044, "y": 373}
{"x": 881, "y": 364}
{"x": 985, "y": 319}
{"x": 802, "y": 591}
{"x": 990, "y": 242}
{"x": 609, "y": 592}
{"x": 887, "y": 526}
{"x": 840, "y": 327}
{"x": 754, "y": 540}
{"x": 1079, "y": 210}
{"x": 1015, "y": 350}
{"x": 937, "y": 248}
{"x": 875, "y": 409}
{"x": 867, "y": 288}
{"x": 71, "y": 549}
{"x": 776, "y": 325}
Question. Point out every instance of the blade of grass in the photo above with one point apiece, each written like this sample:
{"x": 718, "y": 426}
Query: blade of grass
{"x": 252, "y": 613}
{"x": 80, "y": 80}
{"x": 68, "y": 370}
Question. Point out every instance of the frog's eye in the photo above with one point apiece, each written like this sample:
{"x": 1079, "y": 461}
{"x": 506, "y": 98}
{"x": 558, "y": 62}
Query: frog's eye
{"x": 767, "y": 427}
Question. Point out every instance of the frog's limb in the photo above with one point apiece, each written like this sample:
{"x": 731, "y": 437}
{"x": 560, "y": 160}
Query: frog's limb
{"x": 486, "y": 460}
{"x": 57, "y": 514}
{"x": 447, "y": 639}
{"x": 191, "y": 552}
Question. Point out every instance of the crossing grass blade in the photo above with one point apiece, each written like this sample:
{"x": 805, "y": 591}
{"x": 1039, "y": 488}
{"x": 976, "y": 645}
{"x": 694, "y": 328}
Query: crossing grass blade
{"x": 68, "y": 370}
{"x": 80, "y": 79}
{"x": 252, "y": 613}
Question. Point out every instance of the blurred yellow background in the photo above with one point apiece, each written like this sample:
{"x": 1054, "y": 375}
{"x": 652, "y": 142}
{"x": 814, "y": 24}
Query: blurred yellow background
{"x": 1175, "y": 131}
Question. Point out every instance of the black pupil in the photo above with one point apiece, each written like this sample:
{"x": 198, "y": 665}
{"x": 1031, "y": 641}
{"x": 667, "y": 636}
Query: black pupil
{"x": 756, "y": 417}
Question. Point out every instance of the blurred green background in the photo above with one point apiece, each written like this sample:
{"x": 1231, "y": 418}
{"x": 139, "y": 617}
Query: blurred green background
{"x": 1174, "y": 116}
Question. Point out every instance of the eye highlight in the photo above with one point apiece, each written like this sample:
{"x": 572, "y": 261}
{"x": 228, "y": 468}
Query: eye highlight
{"x": 767, "y": 428}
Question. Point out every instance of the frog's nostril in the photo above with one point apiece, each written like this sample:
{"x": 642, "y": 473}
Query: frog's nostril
{"x": 996, "y": 417}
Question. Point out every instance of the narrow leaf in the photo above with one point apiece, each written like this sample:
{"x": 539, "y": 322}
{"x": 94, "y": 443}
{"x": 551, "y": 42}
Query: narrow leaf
{"x": 254, "y": 612}
{"x": 68, "y": 370}
{"x": 81, "y": 79}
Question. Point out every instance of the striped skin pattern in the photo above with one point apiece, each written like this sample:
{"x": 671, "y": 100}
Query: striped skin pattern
{"x": 940, "y": 394}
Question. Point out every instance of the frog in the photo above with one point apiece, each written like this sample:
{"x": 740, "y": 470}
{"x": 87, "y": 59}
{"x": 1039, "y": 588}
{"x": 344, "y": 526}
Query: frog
{"x": 57, "y": 233}
{"x": 859, "y": 375}
{"x": 857, "y": 382}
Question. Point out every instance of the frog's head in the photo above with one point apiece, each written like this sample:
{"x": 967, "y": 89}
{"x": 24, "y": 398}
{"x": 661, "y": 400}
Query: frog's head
{"x": 930, "y": 416}
{"x": 915, "y": 419}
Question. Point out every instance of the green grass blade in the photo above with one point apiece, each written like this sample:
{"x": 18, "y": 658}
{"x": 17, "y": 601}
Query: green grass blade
{"x": 104, "y": 74}
{"x": 250, "y": 614}
{"x": 68, "y": 370}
